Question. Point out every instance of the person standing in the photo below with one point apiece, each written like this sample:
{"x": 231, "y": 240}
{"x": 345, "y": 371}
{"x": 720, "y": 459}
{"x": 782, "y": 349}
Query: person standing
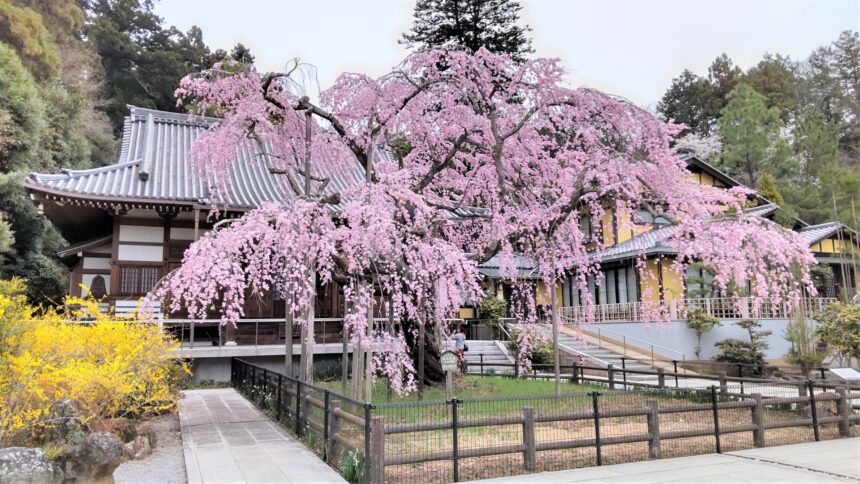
{"x": 459, "y": 338}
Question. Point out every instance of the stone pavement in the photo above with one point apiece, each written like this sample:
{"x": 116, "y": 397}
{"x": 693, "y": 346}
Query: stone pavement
{"x": 832, "y": 461}
{"x": 225, "y": 439}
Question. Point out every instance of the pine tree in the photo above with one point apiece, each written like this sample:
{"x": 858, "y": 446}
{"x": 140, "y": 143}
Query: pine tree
{"x": 751, "y": 136}
{"x": 776, "y": 79}
{"x": 472, "y": 24}
{"x": 686, "y": 102}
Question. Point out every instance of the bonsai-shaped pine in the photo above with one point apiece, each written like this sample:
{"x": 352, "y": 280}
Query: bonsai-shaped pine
{"x": 839, "y": 326}
{"x": 742, "y": 352}
{"x": 701, "y": 323}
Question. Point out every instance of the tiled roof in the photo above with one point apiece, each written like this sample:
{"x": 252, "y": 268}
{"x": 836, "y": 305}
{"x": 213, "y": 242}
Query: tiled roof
{"x": 154, "y": 166}
{"x": 814, "y": 233}
{"x": 650, "y": 242}
{"x": 526, "y": 267}
{"x": 762, "y": 210}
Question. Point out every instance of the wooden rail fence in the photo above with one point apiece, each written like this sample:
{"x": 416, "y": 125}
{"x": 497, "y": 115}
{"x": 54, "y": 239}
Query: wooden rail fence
{"x": 338, "y": 424}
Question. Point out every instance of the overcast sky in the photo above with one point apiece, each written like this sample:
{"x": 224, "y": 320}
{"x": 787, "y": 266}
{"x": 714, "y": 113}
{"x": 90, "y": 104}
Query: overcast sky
{"x": 632, "y": 48}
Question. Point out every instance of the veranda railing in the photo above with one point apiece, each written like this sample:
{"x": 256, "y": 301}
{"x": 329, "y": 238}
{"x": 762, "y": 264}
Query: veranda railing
{"x": 720, "y": 307}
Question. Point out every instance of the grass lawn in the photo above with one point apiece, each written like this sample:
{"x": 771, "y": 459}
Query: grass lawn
{"x": 473, "y": 386}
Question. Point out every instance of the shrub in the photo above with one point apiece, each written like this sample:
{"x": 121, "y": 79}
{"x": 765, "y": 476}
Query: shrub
{"x": 109, "y": 368}
{"x": 352, "y": 467}
{"x": 530, "y": 347}
{"x": 329, "y": 369}
{"x": 701, "y": 323}
{"x": 750, "y": 352}
{"x": 840, "y": 329}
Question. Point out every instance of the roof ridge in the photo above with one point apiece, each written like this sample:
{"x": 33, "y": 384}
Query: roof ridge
{"x": 139, "y": 113}
{"x": 69, "y": 173}
{"x": 821, "y": 225}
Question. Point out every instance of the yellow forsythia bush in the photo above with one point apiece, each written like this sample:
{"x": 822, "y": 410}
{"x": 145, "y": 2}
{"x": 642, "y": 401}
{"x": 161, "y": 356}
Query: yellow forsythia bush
{"x": 110, "y": 368}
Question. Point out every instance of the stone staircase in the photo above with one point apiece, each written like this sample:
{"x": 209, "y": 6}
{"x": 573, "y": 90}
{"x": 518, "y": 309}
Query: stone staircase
{"x": 597, "y": 356}
{"x": 594, "y": 355}
{"x": 492, "y": 353}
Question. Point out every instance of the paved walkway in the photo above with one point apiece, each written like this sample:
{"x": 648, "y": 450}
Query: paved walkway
{"x": 833, "y": 461}
{"x": 225, "y": 439}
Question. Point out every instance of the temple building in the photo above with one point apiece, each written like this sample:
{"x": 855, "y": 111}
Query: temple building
{"x": 621, "y": 287}
{"x": 128, "y": 225}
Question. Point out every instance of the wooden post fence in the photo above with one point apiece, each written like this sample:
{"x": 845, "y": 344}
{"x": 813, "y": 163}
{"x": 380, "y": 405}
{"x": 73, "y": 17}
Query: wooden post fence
{"x": 377, "y": 450}
{"x": 652, "y": 417}
{"x": 758, "y": 420}
{"x": 529, "y": 453}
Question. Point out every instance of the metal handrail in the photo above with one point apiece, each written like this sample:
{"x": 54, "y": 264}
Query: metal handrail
{"x": 624, "y": 343}
{"x": 583, "y": 354}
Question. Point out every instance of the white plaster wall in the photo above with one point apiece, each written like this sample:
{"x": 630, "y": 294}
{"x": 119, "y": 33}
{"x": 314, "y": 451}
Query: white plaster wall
{"x": 140, "y": 233}
{"x": 105, "y": 249}
{"x": 96, "y": 263}
{"x": 181, "y": 233}
{"x": 675, "y": 335}
{"x": 148, "y": 253}
{"x": 87, "y": 281}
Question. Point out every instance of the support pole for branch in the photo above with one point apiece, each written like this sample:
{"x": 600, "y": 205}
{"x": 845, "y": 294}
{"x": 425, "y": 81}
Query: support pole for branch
{"x": 368, "y": 364}
{"x": 288, "y": 339}
{"x": 421, "y": 337}
{"x": 308, "y": 369}
{"x": 555, "y": 336}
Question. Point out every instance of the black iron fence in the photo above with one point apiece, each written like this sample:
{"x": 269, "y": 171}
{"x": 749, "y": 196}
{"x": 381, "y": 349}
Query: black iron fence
{"x": 623, "y": 377}
{"x": 473, "y": 438}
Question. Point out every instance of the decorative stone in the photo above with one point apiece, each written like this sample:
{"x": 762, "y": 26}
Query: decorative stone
{"x": 138, "y": 448}
{"x": 95, "y": 457}
{"x": 66, "y": 423}
{"x": 28, "y": 465}
{"x": 145, "y": 429}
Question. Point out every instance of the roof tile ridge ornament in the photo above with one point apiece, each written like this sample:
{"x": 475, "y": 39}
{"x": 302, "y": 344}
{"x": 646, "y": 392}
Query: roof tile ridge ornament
{"x": 146, "y": 165}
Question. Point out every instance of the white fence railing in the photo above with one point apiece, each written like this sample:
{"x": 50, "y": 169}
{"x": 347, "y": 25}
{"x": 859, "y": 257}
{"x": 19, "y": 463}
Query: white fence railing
{"x": 720, "y": 307}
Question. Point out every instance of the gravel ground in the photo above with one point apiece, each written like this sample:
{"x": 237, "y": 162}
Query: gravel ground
{"x": 166, "y": 465}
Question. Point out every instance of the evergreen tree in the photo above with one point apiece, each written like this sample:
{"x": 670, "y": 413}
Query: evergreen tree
{"x": 833, "y": 84}
{"x": 472, "y": 24}
{"x": 751, "y": 136}
{"x": 768, "y": 188}
{"x": 686, "y": 102}
{"x": 723, "y": 77}
{"x": 142, "y": 60}
{"x": 775, "y": 78}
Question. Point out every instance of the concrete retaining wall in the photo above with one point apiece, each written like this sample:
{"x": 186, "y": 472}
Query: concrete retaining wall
{"x": 677, "y": 336}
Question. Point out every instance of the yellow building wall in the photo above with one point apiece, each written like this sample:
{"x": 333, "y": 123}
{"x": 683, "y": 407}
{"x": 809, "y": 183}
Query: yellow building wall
{"x": 673, "y": 283}
{"x": 542, "y": 294}
{"x": 627, "y": 229}
{"x": 467, "y": 313}
{"x": 649, "y": 281}
{"x": 649, "y": 284}
{"x": 832, "y": 246}
{"x": 606, "y": 226}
